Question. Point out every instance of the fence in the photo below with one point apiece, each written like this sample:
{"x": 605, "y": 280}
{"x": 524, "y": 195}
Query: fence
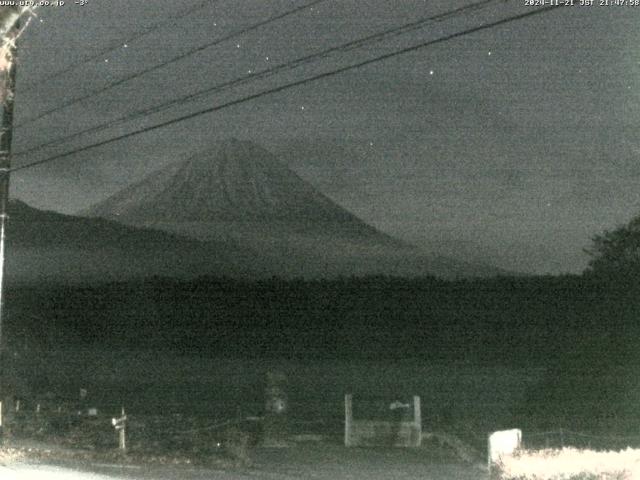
{"x": 402, "y": 426}
{"x": 171, "y": 426}
{"x": 174, "y": 426}
{"x": 158, "y": 428}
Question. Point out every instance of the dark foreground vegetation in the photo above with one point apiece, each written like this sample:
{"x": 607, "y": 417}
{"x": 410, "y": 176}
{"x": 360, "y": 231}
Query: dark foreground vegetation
{"x": 536, "y": 321}
{"x": 580, "y": 331}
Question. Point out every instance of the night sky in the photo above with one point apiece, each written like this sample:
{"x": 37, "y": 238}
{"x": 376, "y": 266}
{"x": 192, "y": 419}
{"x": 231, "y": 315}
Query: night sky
{"x": 513, "y": 145}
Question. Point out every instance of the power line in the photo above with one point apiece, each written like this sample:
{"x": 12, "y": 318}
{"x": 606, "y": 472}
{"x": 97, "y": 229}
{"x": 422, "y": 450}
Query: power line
{"x": 288, "y": 86}
{"x": 377, "y": 37}
{"x": 158, "y": 66}
{"x": 119, "y": 45}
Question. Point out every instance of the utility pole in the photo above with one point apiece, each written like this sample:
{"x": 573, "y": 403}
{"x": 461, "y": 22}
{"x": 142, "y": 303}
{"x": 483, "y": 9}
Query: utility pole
{"x": 9, "y": 31}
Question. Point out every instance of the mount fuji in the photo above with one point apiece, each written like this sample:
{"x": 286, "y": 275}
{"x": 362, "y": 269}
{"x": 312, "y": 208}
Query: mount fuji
{"x": 239, "y": 192}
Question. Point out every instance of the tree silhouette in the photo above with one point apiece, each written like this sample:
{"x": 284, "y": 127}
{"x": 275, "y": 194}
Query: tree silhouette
{"x": 617, "y": 252}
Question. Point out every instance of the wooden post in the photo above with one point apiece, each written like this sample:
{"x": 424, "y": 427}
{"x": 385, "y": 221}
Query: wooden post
{"x": 122, "y": 441}
{"x": 417, "y": 419}
{"x": 348, "y": 419}
{"x": 120, "y": 424}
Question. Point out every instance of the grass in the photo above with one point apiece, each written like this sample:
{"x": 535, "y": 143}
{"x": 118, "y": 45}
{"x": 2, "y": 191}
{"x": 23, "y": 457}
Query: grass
{"x": 151, "y": 439}
{"x": 185, "y": 395}
{"x": 161, "y": 383}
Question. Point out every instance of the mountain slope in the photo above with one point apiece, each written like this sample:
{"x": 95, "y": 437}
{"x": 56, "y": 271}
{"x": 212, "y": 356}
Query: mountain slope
{"x": 48, "y": 246}
{"x": 242, "y": 193}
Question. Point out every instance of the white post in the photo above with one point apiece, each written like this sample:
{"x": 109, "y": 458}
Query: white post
{"x": 503, "y": 443}
{"x": 123, "y": 433}
{"x": 122, "y": 444}
{"x": 348, "y": 419}
{"x": 417, "y": 418}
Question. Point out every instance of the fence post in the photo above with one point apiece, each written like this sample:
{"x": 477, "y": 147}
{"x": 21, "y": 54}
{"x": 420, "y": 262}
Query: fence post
{"x": 120, "y": 424}
{"x": 122, "y": 443}
{"x": 417, "y": 419}
{"x": 348, "y": 419}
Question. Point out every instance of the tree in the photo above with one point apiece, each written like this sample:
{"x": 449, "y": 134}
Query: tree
{"x": 617, "y": 252}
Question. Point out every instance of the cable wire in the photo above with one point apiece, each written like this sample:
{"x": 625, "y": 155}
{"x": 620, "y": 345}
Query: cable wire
{"x": 135, "y": 36}
{"x": 353, "y": 44}
{"x": 165, "y": 63}
{"x": 288, "y": 86}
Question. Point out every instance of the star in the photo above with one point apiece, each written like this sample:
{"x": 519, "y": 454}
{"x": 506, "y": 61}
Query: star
{"x": 430, "y": 72}
{"x": 489, "y": 53}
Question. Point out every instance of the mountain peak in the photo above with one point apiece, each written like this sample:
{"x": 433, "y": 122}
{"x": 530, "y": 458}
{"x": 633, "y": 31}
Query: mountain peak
{"x": 234, "y": 181}
{"x": 231, "y": 147}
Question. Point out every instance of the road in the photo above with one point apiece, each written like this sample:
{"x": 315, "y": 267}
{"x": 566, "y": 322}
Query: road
{"x": 112, "y": 472}
{"x": 315, "y": 462}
